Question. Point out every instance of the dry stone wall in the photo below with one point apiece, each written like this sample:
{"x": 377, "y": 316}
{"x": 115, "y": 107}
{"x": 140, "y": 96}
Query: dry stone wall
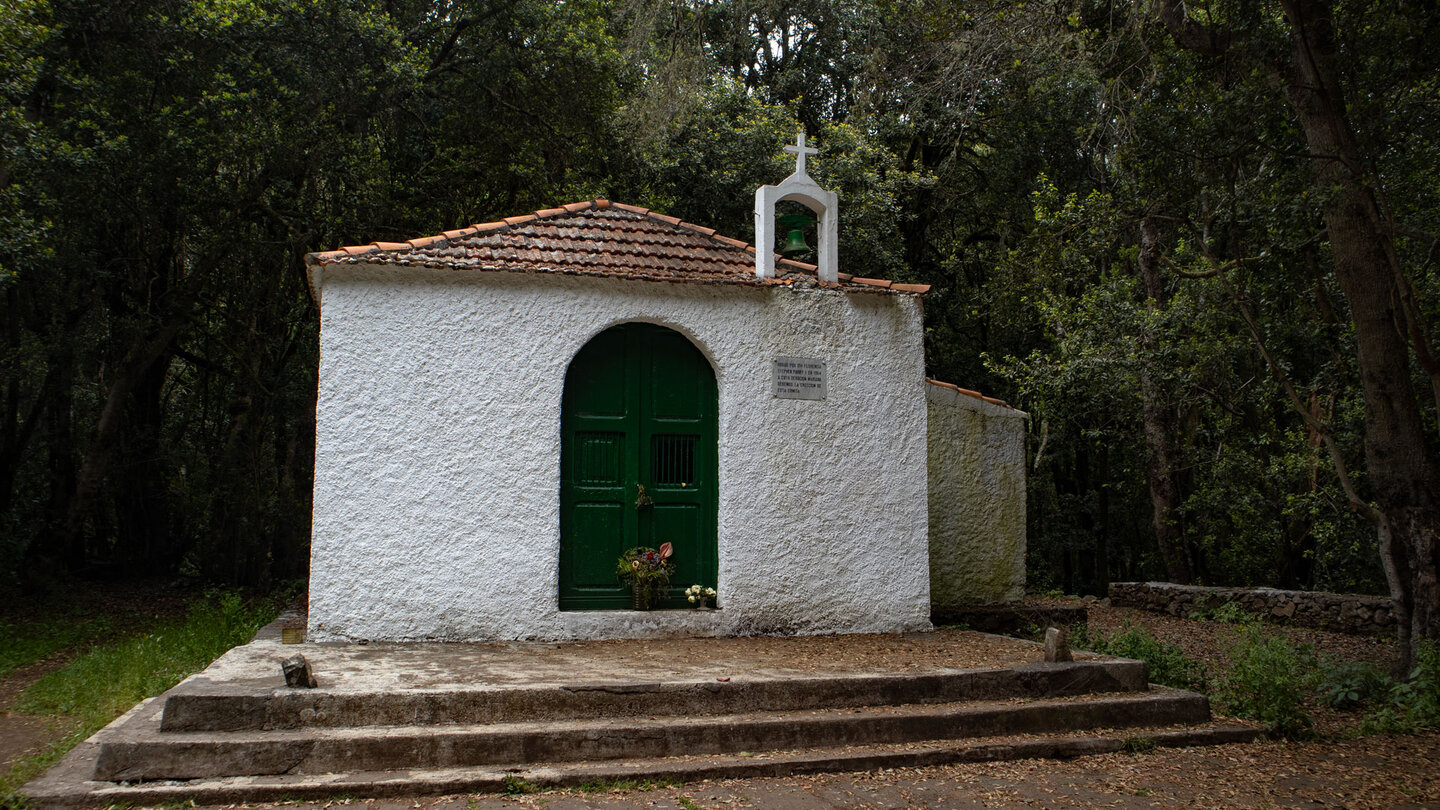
{"x": 1345, "y": 613}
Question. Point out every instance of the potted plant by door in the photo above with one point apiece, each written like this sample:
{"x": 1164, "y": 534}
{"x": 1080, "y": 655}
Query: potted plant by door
{"x": 647, "y": 571}
{"x": 699, "y": 596}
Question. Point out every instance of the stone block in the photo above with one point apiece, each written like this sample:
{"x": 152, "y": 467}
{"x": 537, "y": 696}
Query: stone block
{"x": 1057, "y": 647}
{"x": 297, "y": 672}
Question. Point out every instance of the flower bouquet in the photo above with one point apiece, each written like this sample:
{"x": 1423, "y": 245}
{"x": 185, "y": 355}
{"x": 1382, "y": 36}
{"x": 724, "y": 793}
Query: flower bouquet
{"x": 647, "y": 571}
{"x": 698, "y": 596}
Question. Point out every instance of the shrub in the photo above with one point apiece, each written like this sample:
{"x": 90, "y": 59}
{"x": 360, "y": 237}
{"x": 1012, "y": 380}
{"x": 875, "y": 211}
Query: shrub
{"x": 1167, "y": 663}
{"x": 1352, "y": 684}
{"x": 1226, "y": 613}
{"x": 1268, "y": 680}
{"x": 1415, "y": 702}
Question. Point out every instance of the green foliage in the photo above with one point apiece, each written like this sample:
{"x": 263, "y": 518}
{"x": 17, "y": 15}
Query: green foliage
{"x": 518, "y": 786}
{"x": 1226, "y": 613}
{"x": 1269, "y": 680}
{"x": 1414, "y": 704}
{"x": 1352, "y": 684}
{"x": 1168, "y": 664}
{"x": 701, "y": 158}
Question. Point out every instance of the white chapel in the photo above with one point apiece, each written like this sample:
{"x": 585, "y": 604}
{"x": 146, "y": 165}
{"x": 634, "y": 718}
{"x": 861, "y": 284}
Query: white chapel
{"x": 504, "y": 409}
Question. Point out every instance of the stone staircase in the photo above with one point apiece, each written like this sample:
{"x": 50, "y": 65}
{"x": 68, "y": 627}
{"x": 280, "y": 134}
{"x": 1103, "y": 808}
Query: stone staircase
{"x": 212, "y": 740}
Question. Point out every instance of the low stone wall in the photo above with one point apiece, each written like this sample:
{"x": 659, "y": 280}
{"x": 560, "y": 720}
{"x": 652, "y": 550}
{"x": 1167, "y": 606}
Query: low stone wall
{"x": 1358, "y": 615}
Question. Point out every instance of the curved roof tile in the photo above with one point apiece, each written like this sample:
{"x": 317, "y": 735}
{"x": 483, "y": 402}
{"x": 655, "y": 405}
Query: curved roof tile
{"x": 600, "y": 238}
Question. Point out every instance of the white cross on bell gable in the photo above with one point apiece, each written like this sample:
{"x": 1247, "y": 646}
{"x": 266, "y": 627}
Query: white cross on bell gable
{"x": 800, "y": 150}
{"x": 800, "y": 188}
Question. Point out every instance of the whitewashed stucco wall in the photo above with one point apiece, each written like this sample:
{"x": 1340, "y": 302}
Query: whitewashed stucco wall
{"x": 436, "y": 512}
{"x": 977, "y": 500}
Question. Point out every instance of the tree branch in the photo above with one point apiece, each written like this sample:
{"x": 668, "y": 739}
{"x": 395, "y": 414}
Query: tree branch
{"x": 1357, "y": 504}
{"x": 1191, "y": 35}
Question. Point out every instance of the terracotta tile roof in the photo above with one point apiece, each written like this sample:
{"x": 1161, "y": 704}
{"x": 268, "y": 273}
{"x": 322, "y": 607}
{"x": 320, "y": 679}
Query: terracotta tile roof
{"x": 598, "y": 238}
{"x": 967, "y": 392}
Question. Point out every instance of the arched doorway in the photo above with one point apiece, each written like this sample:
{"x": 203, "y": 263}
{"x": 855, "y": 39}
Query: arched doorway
{"x": 639, "y": 410}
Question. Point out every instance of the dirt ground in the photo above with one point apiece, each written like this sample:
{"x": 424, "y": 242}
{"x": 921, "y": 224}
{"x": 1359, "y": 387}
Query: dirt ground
{"x": 1341, "y": 769}
{"x": 20, "y": 733}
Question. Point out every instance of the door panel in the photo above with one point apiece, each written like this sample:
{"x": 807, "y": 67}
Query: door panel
{"x": 676, "y": 391}
{"x": 680, "y": 524}
{"x": 639, "y": 410}
{"x": 598, "y": 532}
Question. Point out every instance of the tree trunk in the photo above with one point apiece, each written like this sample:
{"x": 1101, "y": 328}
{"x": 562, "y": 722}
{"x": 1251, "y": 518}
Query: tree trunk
{"x": 143, "y": 543}
{"x": 1158, "y": 415}
{"x": 1102, "y": 522}
{"x": 1401, "y": 474}
{"x": 99, "y": 450}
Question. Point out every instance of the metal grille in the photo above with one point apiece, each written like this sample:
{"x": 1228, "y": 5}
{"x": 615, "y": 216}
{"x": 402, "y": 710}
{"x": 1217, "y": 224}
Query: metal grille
{"x": 672, "y": 459}
{"x": 597, "y": 459}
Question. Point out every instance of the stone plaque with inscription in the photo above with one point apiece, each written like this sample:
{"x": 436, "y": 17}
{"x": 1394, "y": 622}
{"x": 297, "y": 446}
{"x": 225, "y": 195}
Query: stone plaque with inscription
{"x": 799, "y": 378}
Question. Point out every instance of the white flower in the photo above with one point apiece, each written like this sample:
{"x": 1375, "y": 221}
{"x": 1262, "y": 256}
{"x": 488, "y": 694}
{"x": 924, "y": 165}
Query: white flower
{"x": 692, "y": 600}
{"x": 709, "y": 591}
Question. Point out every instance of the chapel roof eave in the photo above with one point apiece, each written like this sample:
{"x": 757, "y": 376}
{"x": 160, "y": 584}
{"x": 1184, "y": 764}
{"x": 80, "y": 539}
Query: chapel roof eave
{"x": 598, "y": 238}
{"x": 969, "y": 393}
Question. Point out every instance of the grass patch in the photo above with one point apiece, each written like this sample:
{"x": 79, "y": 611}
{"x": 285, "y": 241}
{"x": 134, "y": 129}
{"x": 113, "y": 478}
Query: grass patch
{"x": 24, "y": 644}
{"x": 103, "y": 683}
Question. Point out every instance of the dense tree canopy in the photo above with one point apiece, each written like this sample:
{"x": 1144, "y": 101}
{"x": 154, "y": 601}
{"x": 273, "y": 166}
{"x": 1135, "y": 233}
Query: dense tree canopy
{"x": 1196, "y": 242}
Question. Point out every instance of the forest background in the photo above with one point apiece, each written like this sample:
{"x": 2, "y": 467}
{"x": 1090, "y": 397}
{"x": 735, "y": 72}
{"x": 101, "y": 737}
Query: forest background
{"x": 1197, "y": 244}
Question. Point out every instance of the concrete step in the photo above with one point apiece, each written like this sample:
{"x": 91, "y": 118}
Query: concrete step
{"x": 199, "y": 705}
{"x": 137, "y": 749}
{"x": 68, "y": 785}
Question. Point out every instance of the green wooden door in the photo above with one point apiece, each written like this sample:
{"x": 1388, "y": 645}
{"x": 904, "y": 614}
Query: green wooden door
{"x": 638, "y": 411}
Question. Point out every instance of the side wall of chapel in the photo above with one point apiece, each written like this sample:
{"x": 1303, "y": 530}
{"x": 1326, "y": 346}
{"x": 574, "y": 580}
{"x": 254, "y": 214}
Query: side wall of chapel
{"x": 977, "y": 500}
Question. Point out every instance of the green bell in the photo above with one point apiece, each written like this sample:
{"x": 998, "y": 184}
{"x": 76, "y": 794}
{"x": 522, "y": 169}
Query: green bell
{"x": 795, "y": 240}
{"x": 795, "y": 243}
